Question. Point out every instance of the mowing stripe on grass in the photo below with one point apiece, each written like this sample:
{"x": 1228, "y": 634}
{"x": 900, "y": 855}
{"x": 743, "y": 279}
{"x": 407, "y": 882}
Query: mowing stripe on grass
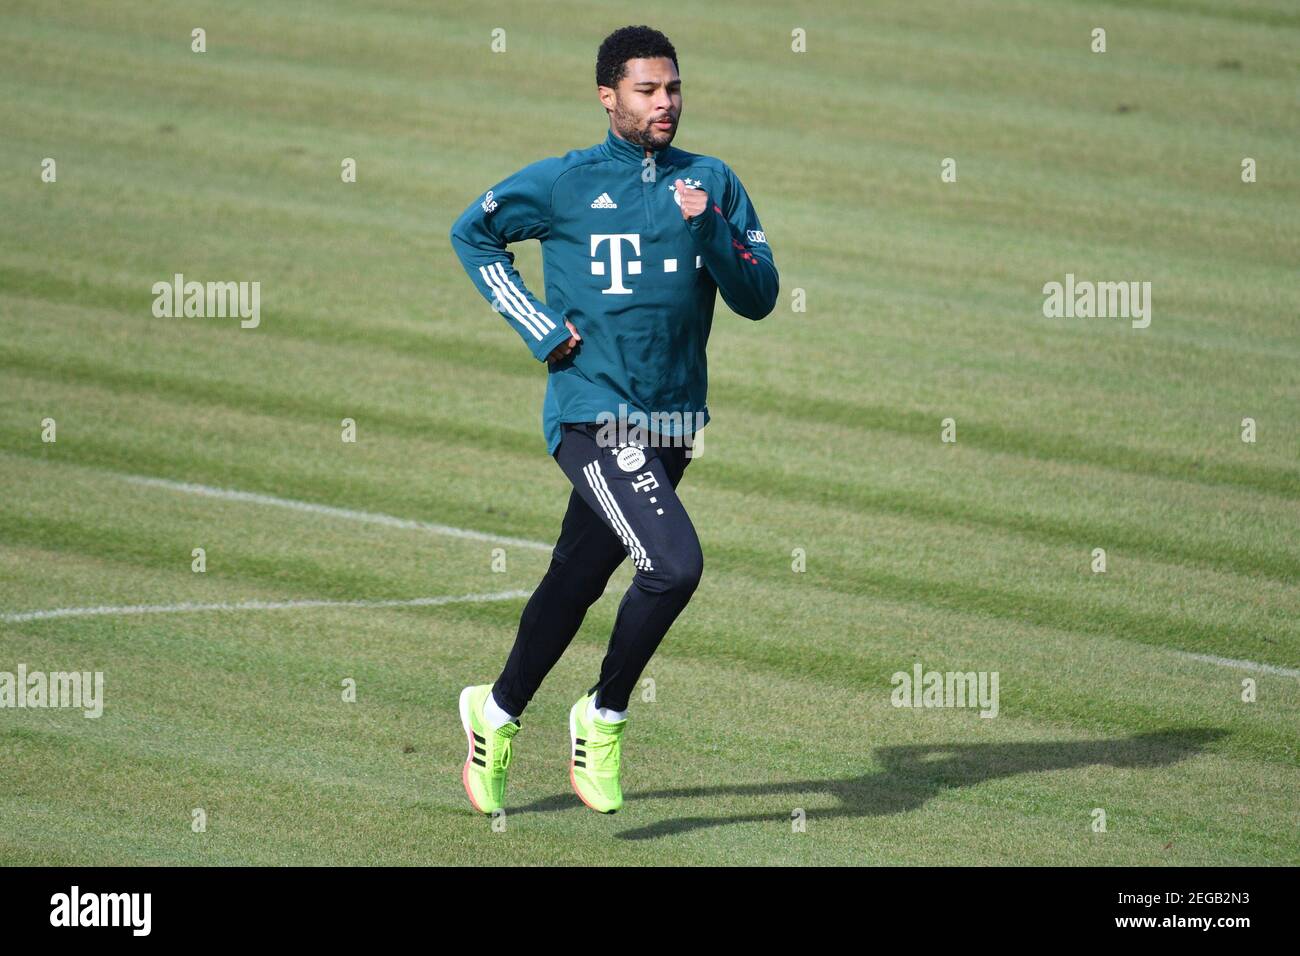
{"x": 16, "y": 618}
{"x": 395, "y": 522}
{"x": 370, "y": 517}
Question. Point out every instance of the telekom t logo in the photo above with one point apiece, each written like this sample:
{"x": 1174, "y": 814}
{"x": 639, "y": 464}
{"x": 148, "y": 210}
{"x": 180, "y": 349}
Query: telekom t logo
{"x": 616, "y": 286}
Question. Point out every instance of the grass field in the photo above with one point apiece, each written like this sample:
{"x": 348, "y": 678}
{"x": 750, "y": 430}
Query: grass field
{"x": 1119, "y": 691}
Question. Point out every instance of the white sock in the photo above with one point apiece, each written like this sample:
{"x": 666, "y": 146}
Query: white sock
{"x": 494, "y": 715}
{"x": 604, "y": 713}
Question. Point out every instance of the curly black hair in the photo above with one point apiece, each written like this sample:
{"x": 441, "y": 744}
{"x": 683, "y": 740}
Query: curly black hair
{"x": 629, "y": 43}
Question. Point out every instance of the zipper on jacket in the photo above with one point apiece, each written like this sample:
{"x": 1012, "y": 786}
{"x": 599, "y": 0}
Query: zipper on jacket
{"x": 648, "y": 195}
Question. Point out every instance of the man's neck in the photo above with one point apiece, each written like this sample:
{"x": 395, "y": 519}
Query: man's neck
{"x": 645, "y": 150}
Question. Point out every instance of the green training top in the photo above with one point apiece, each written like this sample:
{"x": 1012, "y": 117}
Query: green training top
{"x": 619, "y": 262}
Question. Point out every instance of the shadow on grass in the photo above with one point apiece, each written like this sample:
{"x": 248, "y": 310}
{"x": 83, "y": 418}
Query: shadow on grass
{"x": 914, "y": 774}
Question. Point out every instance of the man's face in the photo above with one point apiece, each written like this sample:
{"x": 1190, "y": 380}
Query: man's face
{"x": 647, "y": 104}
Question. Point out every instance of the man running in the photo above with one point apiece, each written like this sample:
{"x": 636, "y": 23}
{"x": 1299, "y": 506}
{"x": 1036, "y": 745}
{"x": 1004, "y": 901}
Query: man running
{"x": 637, "y": 237}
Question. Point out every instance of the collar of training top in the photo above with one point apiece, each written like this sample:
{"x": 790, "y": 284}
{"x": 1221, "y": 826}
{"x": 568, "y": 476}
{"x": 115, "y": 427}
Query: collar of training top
{"x": 627, "y": 152}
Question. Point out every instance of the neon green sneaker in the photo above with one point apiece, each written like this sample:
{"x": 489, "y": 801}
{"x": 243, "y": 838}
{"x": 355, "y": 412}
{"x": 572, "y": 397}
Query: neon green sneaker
{"x": 597, "y": 751}
{"x": 484, "y": 774}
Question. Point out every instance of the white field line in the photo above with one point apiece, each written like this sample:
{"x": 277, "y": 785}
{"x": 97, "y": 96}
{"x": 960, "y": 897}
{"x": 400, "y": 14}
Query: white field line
{"x": 17, "y": 618}
{"x": 1241, "y": 665}
{"x": 369, "y": 517}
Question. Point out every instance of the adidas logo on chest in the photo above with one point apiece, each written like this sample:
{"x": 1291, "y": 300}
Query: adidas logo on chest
{"x": 603, "y": 201}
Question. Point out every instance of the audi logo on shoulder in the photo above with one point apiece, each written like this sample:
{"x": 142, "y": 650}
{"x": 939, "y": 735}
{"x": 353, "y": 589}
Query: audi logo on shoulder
{"x": 756, "y": 235}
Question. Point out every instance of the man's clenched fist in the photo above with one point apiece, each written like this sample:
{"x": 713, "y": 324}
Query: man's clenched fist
{"x": 694, "y": 201}
{"x": 564, "y": 348}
